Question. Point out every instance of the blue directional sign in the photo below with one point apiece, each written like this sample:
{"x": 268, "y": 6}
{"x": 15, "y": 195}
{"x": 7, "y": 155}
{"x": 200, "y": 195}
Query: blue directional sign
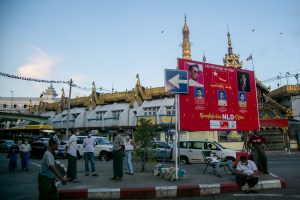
{"x": 176, "y": 81}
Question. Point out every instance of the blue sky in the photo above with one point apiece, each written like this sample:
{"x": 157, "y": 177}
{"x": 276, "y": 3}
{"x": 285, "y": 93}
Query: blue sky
{"x": 109, "y": 42}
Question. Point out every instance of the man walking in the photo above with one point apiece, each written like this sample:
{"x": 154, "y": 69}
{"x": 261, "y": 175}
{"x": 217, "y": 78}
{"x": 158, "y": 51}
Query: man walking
{"x": 88, "y": 144}
{"x": 47, "y": 188}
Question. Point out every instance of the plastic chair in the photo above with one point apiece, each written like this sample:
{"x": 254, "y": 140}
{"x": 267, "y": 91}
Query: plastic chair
{"x": 206, "y": 154}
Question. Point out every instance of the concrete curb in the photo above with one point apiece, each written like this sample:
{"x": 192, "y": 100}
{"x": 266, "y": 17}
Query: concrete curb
{"x": 165, "y": 191}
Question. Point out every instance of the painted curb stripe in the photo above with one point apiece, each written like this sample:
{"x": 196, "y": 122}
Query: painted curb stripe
{"x": 73, "y": 194}
{"x": 138, "y": 193}
{"x": 165, "y": 191}
{"x": 206, "y": 189}
{"x": 230, "y": 187}
{"x": 282, "y": 182}
{"x": 188, "y": 191}
{"x": 104, "y": 193}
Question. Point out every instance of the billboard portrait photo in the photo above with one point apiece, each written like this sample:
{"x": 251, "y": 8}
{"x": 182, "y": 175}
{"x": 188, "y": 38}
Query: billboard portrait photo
{"x": 195, "y": 76}
{"x": 243, "y": 81}
{"x": 242, "y": 99}
{"x": 199, "y": 97}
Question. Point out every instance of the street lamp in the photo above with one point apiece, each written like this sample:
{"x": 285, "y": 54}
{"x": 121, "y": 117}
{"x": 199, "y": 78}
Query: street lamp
{"x": 12, "y": 98}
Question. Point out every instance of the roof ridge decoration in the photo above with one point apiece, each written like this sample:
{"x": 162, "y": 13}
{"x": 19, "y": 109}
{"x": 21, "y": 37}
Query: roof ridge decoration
{"x": 288, "y": 112}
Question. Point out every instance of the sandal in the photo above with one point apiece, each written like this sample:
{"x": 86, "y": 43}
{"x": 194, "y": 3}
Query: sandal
{"x": 76, "y": 181}
{"x": 117, "y": 179}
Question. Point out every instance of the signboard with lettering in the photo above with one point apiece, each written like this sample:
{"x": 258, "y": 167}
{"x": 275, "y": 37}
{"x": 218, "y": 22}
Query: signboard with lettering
{"x": 218, "y": 98}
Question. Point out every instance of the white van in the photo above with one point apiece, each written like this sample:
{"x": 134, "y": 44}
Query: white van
{"x": 103, "y": 148}
{"x": 190, "y": 151}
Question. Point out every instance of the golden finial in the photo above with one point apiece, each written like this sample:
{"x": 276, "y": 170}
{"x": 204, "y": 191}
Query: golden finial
{"x": 186, "y": 45}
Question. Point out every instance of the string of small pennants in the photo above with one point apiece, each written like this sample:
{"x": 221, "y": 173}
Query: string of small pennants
{"x": 48, "y": 81}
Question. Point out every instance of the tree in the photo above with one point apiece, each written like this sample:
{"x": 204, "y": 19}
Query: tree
{"x": 143, "y": 137}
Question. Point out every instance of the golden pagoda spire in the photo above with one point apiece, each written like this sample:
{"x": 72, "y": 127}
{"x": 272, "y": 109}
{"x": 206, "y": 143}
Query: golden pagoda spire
{"x": 203, "y": 58}
{"x": 229, "y": 44}
{"x": 186, "y": 46}
{"x": 231, "y": 59}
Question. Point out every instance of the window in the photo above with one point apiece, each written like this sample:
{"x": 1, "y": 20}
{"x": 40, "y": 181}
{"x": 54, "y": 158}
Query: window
{"x": 169, "y": 110}
{"x": 228, "y": 136}
{"x": 196, "y": 145}
{"x": 222, "y": 136}
{"x": 210, "y": 146}
{"x": 75, "y": 115}
{"x": 116, "y": 113}
{"x": 183, "y": 145}
{"x": 80, "y": 140}
{"x": 4, "y": 106}
{"x": 151, "y": 111}
{"x": 100, "y": 114}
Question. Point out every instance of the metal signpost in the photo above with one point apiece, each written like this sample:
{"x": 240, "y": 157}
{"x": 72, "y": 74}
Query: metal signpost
{"x": 176, "y": 81}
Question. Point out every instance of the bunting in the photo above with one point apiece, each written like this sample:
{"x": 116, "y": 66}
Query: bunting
{"x": 49, "y": 81}
{"x": 31, "y": 79}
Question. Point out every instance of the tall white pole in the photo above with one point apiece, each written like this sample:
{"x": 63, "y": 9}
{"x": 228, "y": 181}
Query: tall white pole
{"x": 69, "y": 102}
{"x": 176, "y": 136}
{"x": 12, "y": 99}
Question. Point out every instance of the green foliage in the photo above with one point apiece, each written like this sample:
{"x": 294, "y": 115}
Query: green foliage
{"x": 143, "y": 137}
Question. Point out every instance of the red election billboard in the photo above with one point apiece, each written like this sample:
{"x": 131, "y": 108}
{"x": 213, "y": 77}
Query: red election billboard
{"x": 219, "y": 98}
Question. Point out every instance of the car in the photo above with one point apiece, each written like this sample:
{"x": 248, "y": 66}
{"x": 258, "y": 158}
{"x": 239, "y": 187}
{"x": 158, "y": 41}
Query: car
{"x": 43, "y": 139}
{"x": 160, "y": 150}
{"x": 60, "y": 152}
{"x": 190, "y": 151}
{"x": 6, "y": 144}
{"x": 38, "y": 149}
{"x": 103, "y": 148}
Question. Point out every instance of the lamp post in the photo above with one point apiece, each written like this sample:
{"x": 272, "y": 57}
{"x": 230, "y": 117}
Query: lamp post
{"x": 69, "y": 102}
{"x": 12, "y": 99}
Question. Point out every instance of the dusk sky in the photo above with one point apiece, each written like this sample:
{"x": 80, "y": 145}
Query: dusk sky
{"x": 109, "y": 42}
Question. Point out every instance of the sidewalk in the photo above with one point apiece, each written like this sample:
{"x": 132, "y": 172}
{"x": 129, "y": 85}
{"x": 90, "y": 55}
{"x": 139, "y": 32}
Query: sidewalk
{"x": 146, "y": 185}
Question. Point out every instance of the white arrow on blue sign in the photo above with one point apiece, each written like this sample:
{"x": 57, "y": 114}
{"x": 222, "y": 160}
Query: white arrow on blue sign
{"x": 176, "y": 81}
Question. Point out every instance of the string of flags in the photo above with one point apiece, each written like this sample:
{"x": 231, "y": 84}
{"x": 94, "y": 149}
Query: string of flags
{"x": 48, "y": 81}
{"x": 31, "y": 79}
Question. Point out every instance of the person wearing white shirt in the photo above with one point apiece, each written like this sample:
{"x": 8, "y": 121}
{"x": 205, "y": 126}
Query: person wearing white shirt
{"x": 72, "y": 158}
{"x": 25, "y": 149}
{"x": 88, "y": 144}
{"x": 247, "y": 173}
{"x": 214, "y": 159}
{"x": 128, "y": 154}
{"x": 194, "y": 75}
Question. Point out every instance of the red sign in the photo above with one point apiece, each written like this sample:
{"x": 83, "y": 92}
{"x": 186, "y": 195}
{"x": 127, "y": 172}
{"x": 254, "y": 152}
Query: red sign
{"x": 219, "y": 98}
{"x": 274, "y": 122}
